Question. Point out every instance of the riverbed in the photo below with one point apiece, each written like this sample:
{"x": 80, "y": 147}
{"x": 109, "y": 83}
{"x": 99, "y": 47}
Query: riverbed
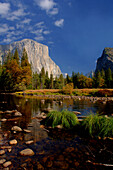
{"x": 52, "y": 148}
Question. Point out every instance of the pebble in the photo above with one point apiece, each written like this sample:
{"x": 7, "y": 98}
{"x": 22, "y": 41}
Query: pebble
{"x": 29, "y": 142}
{"x": 2, "y": 161}
{"x": 3, "y": 120}
{"x": 13, "y": 142}
{"x": 2, "y": 152}
{"x": 9, "y": 150}
{"x": 18, "y": 113}
{"x": 27, "y": 152}
{"x": 27, "y": 131}
{"x": 6, "y": 164}
{"x": 16, "y": 128}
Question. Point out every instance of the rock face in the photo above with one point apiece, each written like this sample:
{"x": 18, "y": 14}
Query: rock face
{"x": 106, "y": 60}
{"x": 37, "y": 55}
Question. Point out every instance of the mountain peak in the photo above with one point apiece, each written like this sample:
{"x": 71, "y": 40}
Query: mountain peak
{"x": 38, "y": 55}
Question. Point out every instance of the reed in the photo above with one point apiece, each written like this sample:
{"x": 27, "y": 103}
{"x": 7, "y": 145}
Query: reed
{"x": 64, "y": 118}
{"x": 99, "y": 125}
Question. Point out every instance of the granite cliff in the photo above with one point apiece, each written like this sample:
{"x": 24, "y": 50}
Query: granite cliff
{"x": 106, "y": 60}
{"x": 37, "y": 55}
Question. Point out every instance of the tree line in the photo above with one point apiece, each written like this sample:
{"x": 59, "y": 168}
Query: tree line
{"x": 16, "y": 74}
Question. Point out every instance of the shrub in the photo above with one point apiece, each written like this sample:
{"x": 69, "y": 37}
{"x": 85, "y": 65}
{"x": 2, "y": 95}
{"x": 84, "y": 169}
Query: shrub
{"x": 64, "y": 118}
{"x": 99, "y": 125}
{"x": 68, "y": 89}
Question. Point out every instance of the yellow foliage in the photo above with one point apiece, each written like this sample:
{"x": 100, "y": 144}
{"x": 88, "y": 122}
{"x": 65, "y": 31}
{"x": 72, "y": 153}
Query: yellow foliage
{"x": 68, "y": 89}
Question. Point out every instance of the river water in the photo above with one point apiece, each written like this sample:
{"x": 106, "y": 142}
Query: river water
{"x": 52, "y": 150}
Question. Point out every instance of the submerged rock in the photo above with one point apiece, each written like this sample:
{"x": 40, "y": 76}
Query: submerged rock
{"x": 6, "y": 164}
{"x": 2, "y": 161}
{"x": 16, "y": 128}
{"x": 17, "y": 113}
{"x": 2, "y": 152}
{"x": 3, "y": 120}
{"x": 27, "y": 131}
{"x": 13, "y": 142}
{"x": 29, "y": 142}
{"x": 27, "y": 152}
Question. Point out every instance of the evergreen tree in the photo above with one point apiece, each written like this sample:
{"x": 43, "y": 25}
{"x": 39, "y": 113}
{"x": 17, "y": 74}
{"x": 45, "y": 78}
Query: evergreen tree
{"x": 47, "y": 80}
{"x": 51, "y": 81}
{"x": 108, "y": 78}
{"x": 26, "y": 69}
{"x": 61, "y": 81}
{"x": 99, "y": 81}
{"x": 16, "y": 56}
{"x": 36, "y": 81}
{"x": 42, "y": 78}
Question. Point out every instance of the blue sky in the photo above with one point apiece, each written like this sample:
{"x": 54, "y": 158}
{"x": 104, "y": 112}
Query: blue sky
{"x": 76, "y": 31}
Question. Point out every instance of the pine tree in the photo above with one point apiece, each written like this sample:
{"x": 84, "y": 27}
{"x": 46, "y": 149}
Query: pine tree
{"x": 26, "y": 69}
{"x": 108, "y": 77}
{"x": 47, "y": 80}
{"x": 42, "y": 78}
{"x": 51, "y": 81}
{"x": 16, "y": 56}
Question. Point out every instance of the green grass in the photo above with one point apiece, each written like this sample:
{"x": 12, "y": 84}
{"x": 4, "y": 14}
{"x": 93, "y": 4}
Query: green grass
{"x": 64, "y": 118}
{"x": 99, "y": 125}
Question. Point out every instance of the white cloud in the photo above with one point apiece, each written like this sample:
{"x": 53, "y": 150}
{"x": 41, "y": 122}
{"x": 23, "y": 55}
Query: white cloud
{"x": 3, "y": 28}
{"x": 59, "y": 23}
{"x": 54, "y": 11}
{"x": 16, "y": 14}
{"x": 37, "y": 32}
{"x": 4, "y": 8}
{"x": 39, "y": 38}
{"x": 26, "y": 21}
{"x": 40, "y": 25}
{"x": 48, "y": 5}
{"x": 46, "y": 32}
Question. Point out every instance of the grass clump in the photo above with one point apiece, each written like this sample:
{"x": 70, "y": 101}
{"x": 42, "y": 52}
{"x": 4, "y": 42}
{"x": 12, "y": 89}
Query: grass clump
{"x": 99, "y": 125}
{"x": 64, "y": 118}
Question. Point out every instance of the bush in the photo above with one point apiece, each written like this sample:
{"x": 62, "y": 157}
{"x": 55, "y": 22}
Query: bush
{"x": 99, "y": 125}
{"x": 65, "y": 118}
{"x": 68, "y": 89}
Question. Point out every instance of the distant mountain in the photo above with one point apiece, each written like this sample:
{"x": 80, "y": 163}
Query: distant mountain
{"x": 90, "y": 74}
{"x": 37, "y": 55}
{"x": 106, "y": 60}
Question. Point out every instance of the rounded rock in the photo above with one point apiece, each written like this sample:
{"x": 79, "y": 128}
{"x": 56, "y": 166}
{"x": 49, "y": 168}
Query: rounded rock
{"x": 2, "y": 161}
{"x": 16, "y": 128}
{"x": 29, "y": 142}
{"x": 2, "y": 152}
{"x": 27, "y": 152}
{"x": 6, "y": 164}
{"x": 13, "y": 142}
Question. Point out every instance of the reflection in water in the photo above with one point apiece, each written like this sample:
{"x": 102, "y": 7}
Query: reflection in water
{"x": 32, "y": 106}
{"x": 37, "y": 134}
